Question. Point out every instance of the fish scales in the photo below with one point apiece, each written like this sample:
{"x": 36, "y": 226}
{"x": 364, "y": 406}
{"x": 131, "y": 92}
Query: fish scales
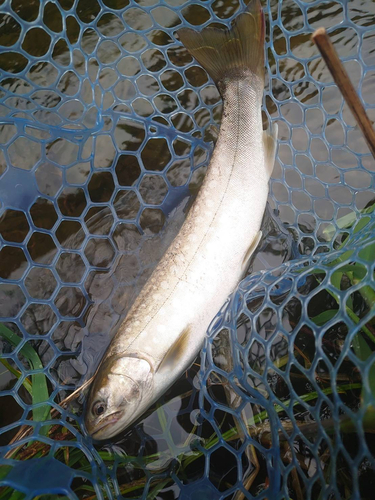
{"x": 210, "y": 247}
{"x": 166, "y": 325}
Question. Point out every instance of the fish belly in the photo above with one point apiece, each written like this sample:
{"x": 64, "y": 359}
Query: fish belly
{"x": 206, "y": 260}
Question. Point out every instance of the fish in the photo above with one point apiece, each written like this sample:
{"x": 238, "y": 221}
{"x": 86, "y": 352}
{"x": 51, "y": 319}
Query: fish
{"x": 165, "y": 328}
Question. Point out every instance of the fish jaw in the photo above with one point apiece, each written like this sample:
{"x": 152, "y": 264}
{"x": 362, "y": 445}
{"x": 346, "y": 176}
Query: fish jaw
{"x": 107, "y": 428}
{"x": 115, "y": 400}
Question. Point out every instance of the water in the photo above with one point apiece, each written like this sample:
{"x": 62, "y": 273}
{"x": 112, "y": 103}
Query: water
{"x": 82, "y": 324}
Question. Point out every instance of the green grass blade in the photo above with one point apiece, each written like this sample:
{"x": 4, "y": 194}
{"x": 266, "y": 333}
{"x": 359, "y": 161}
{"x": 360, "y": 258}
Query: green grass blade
{"x": 363, "y": 352}
{"x": 323, "y": 318}
{"x": 156, "y": 489}
{"x": 164, "y": 425}
{"x": 260, "y": 417}
{"x": 26, "y": 382}
{"x": 38, "y": 380}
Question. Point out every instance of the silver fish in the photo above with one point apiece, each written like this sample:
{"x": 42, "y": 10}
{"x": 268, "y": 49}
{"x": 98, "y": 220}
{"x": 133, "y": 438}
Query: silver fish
{"x": 165, "y": 328}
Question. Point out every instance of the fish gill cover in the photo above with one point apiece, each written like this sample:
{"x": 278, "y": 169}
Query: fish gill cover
{"x": 106, "y": 128}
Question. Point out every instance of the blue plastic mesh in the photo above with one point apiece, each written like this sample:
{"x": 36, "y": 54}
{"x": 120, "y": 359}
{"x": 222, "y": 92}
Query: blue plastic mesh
{"x": 106, "y": 126}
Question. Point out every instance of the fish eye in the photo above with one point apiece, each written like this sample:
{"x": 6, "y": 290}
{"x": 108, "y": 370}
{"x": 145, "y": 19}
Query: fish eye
{"x": 99, "y": 408}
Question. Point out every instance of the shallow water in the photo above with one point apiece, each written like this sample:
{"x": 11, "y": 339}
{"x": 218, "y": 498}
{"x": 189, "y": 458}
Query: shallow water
{"x": 320, "y": 148}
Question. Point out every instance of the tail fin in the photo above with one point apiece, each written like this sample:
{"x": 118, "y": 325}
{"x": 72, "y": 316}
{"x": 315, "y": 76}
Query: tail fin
{"x": 227, "y": 54}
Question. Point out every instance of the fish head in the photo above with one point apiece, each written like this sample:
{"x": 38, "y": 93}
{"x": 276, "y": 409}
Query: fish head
{"x": 116, "y": 395}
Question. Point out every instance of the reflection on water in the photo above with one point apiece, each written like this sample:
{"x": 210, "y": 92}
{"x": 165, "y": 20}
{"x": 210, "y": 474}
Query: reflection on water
{"x": 101, "y": 264}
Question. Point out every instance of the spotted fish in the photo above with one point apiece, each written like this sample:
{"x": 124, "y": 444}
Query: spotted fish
{"x": 165, "y": 328}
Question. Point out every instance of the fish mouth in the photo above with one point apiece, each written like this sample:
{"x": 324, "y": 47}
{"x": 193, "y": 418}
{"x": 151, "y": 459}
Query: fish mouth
{"x": 110, "y": 420}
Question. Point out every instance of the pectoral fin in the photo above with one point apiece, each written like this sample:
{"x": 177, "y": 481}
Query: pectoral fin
{"x": 175, "y": 353}
{"x": 270, "y": 144}
{"x": 250, "y": 251}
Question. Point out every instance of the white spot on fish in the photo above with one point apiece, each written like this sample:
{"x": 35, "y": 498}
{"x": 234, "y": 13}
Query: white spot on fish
{"x": 147, "y": 318}
{"x": 164, "y": 284}
{"x": 209, "y": 203}
{"x": 176, "y": 303}
{"x": 155, "y": 340}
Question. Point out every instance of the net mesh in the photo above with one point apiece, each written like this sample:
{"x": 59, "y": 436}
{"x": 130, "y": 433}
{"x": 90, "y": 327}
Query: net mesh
{"x": 106, "y": 128}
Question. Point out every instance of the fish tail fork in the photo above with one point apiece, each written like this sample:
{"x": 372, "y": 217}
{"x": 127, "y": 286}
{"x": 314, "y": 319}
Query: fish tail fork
{"x": 230, "y": 53}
